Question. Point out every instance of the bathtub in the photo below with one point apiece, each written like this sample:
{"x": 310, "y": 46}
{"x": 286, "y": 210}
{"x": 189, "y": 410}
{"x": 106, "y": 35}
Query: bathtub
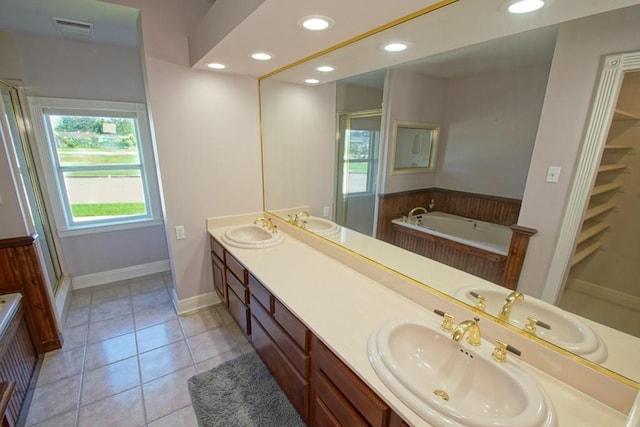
{"x": 479, "y": 234}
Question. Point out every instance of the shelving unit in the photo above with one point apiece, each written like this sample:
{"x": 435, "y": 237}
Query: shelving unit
{"x": 603, "y": 194}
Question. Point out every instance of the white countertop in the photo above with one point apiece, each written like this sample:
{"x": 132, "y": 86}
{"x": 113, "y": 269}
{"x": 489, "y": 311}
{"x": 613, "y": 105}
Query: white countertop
{"x": 342, "y": 307}
{"x": 620, "y": 346}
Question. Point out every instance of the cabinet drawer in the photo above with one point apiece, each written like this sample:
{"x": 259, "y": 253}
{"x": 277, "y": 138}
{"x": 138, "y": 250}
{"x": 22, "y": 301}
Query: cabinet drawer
{"x": 292, "y": 325}
{"x": 241, "y": 290}
{"x": 322, "y": 417}
{"x": 365, "y": 401}
{"x": 261, "y": 293}
{"x": 216, "y": 247}
{"x": 218, "y": 278}
{"x": 335, "y": 403}
{"x": 236, "y": 268}
{"x": 239, "y": 312}
{"x": 299, "y": 359}
{"x": 294, "y": 386}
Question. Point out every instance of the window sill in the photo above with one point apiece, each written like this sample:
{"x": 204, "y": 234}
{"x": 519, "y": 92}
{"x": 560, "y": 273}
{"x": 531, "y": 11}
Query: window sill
{"x": 96, "y": 229}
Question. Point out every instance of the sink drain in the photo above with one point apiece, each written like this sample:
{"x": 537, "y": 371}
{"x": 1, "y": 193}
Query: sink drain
{"x": 442, "y": 394}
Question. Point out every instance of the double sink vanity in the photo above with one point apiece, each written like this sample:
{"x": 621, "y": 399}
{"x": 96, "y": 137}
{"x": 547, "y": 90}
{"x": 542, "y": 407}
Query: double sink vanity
{"x": 352, "y": 343}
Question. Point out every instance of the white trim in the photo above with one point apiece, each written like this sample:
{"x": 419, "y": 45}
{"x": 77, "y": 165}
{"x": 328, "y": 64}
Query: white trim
{"x": 606, "y": 294}
{"x": 595, "y": 138}
{"x": 62, "y": 298}
{"x": 95, "y": 279}
{"x": 70, "y": 232}
{"x": 195, "y": 303}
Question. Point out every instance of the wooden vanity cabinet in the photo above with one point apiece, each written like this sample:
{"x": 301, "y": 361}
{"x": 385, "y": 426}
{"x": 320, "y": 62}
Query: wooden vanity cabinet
{"x": 18, "y": 367}
{"x": 340, "y": 398}
{"x": 217, "y": 262}
{"x": 283, "y": 343}
{"x": 324, "y": 391}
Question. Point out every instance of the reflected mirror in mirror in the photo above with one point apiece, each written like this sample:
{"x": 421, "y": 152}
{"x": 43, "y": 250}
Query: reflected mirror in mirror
{"x": 498, "y": 94}
{"x": 414, "y": 147}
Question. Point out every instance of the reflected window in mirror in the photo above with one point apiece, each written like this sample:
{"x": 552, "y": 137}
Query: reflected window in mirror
{"x": 414, "y": 147}
{"x": 359, "y": 144}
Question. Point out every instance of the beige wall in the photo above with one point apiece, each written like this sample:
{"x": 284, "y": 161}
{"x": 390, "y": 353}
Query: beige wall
{"x": 299, "y": 129}
{"x": 490, "y": 124}
{"x": 207, "y": 138}
{"x": 55, "y": 67}
{"x": 574, "y": 72}
{"x": 415, "y": 98}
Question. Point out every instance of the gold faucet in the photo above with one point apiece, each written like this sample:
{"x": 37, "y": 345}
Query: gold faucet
{"x": 470, "y": 326}
{"x": 266, "y": 223}
{"x": 412, "y": 211}
{"x": 511, "y": 299}
{"x": 295, "y": 220}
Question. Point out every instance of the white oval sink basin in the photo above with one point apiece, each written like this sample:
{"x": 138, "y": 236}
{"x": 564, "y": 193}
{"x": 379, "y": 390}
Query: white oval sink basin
{"x": 251, "y": 237}
{"x": 567, "y": 331}
{"x": 452, "y": 383}
{"x": 320, "y": 226}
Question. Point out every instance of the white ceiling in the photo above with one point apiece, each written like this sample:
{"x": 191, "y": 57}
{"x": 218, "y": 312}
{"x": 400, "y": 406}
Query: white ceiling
{"x": 272, "y": 27}
{"x": 112, "y": 24}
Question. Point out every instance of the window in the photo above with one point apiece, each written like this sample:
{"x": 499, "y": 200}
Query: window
{"x": 359, "y": 152}
{"x": 98, "y": 155}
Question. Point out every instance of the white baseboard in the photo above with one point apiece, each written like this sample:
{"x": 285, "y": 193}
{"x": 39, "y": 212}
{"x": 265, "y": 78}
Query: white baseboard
{"x": 195, "y": 303}
{"x": 125, "y": 273}
{"x": 61, "y": 299}
{"x": 604, "y": 293}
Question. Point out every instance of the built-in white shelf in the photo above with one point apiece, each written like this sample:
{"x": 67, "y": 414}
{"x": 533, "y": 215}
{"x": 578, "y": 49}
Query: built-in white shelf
{"x": 625, "y": 115}
{"x": 598, "y": 209}
{"x": 611, "y": 167}
{"x": 592, "y": 231}
{"x": 584, "y": 253}
{"x": 604, "y": 188}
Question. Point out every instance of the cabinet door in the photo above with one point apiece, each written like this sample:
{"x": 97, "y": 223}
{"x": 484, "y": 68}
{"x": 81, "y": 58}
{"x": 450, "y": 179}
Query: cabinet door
{"x": 218, "y": 278}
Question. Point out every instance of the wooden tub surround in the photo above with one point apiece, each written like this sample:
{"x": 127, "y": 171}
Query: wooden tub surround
{"x": 20, "y": 272}
{"x": 500, "y": 269}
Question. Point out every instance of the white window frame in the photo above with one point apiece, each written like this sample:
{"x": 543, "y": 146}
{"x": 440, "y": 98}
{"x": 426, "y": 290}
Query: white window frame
{"x": 40, "y": 108}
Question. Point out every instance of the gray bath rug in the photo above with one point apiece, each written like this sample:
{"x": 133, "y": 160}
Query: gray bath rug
{"x": 241, "y": 393}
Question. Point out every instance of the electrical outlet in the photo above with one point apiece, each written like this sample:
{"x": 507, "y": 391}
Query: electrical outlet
{"x": 553, "y": 174}
{"x": 180, "y": 233}
{"x": 325, "y": 212}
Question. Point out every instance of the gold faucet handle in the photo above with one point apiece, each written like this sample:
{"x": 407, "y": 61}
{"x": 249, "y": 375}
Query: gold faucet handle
{"x": 447, "y": 321}
{"x": 531, "y": 326}
{"x": 500, "y": 352}
{"x": 481, "y": 304}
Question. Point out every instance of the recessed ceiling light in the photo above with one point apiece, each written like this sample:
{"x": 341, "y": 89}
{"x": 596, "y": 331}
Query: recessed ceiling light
{"x": 524, "y": 6}
{"x": 395, "y": 46}
{"x": 315, "y": 23}
{"x": 325, "y": 68}
{"x": 216, "y": 66}
{"x": 261, "y": 56}
{"x": 312, "y": 81}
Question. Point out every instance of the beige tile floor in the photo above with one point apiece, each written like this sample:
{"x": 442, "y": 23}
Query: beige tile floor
{"x": 127, "y": 357}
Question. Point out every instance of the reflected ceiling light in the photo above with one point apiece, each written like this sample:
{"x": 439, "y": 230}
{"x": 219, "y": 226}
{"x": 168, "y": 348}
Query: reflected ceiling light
{"x": 325, "y": 68}
{"x": 261, "y": 56}
{"x": 523, "y": 6}
{"x": 312, "y": 81}
{"x": 315, "y": 23}
{"x": 395, "y": 46}
{"x": 216, "y": 66}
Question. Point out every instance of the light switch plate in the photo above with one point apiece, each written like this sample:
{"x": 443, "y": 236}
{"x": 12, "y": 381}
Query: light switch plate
{"x": 553, "y": 174}
{"x": 180, "y": 233}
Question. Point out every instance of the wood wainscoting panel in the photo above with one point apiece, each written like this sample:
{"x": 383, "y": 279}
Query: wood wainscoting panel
{"x": 20, "y": 272}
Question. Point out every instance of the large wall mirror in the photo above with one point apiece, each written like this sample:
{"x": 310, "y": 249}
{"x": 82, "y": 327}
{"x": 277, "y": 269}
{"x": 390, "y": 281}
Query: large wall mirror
{"x": 487, "y": 83}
